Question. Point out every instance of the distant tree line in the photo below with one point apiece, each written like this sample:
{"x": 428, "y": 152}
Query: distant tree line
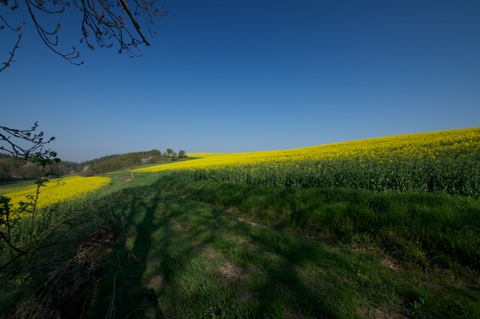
{"x": 12, "y": 168}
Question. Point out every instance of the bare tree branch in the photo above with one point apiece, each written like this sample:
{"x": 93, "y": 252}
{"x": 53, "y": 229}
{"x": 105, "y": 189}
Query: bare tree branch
{"x": 106, "y": 21}
{"x": 15, "y": 47}
{"x": 46, "y": 35}
{"x": 135, "y": 23}
{"x": 37, "y": 141}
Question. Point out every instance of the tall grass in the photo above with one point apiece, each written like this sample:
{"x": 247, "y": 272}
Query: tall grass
{"x": 422, "y": 175}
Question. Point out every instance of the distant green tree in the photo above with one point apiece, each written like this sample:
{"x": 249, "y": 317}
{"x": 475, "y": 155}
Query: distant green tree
{"x": 182, "y": 154}
{"x": 88, "y": 171}
{"x": 6, "y": 169}
{"x": 174, "y": 156}
{"x": 169, "y": 152}
{"x": 155, "y": 152}
{"x": 3, "y": 174}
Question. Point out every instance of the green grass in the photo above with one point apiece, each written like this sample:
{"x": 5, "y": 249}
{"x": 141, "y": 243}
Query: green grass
{"x": 185, "y": 249}
{"x": 8, "y": 186}
{"x": 439, "y": 225}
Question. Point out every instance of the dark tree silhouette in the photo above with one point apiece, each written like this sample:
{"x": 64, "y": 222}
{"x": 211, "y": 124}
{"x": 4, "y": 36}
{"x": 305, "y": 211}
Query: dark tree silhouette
{"x": 24, "y": 144}
{"x": 103, "y": 23}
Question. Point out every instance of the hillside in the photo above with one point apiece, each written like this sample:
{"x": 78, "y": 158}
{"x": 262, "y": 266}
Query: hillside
{"x": 12, "y": 169}
{"x": 445, "y": 161}
{"x": 126, "y": 161}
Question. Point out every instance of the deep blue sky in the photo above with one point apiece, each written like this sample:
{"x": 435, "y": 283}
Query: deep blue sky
{"x": 235, "y": 76}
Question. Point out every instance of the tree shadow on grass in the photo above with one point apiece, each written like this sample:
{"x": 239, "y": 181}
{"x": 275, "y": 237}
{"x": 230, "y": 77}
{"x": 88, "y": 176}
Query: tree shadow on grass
{"x": 149, "y": 254}
{"x": 121, "y": 292}
{"x": 229, "y": 284}
{"x": 181, "y": 258}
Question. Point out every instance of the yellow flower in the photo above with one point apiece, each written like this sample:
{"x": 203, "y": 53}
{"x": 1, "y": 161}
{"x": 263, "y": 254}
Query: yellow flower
{"x": 58, "y": 190}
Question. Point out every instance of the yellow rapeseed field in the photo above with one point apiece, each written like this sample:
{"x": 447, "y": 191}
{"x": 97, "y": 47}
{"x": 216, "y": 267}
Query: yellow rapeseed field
{"x": 57, "y": 190}
{"x": 394, "y": 148}
{"x": 202, "y": 155}
{"x": 445, "y": 161}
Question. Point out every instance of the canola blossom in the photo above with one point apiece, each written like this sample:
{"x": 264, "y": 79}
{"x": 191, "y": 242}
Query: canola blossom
{"x": 203, "y": 155}
{"x": 444, "y": 161}
{"x": 57, "y": 190}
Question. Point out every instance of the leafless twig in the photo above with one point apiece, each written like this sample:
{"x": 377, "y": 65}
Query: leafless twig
{"x": 103, "y": 23}
{"x": 15, "y": 47}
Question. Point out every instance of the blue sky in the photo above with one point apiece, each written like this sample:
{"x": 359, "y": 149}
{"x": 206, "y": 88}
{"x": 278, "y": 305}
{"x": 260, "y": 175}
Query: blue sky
{"x": 236, "y": 76}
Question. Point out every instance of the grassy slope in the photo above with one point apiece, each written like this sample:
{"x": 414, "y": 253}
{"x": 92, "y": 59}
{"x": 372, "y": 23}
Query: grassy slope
{"x": 205, "y": 250}
{"x": 173, "y": 248}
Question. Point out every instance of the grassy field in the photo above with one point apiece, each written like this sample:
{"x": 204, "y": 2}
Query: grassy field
{"x": 181, "y": 249}
{"x": 221, "y": 241}
{"x": 205, "y": 250}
